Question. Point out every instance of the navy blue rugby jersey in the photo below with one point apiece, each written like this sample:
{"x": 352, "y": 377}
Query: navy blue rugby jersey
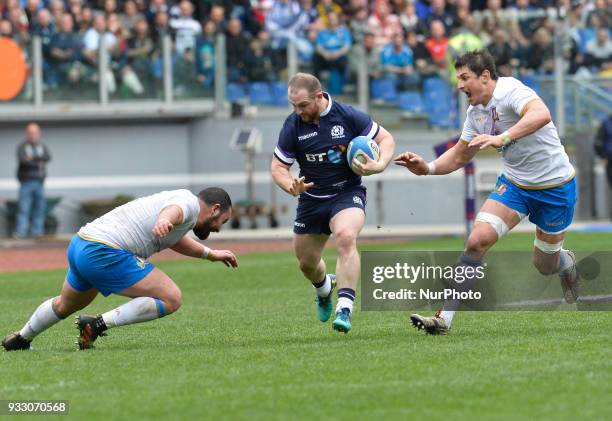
{"x": 320, "y": 150}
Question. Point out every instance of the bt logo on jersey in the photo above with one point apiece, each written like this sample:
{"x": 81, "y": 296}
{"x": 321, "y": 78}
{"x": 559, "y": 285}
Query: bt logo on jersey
{"x": 315, "y": 157}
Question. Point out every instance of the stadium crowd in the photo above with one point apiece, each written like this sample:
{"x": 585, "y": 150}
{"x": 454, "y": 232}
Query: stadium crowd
{"x": 404, "y": 40}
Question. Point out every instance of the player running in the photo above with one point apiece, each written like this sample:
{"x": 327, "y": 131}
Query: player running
{"x": 537, "y": 179}
{"x": 108, "y": 256}
{"x": 331, "y": 197}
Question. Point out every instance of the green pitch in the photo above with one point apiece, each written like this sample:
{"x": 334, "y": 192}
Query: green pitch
{"x": 247, "y": 345}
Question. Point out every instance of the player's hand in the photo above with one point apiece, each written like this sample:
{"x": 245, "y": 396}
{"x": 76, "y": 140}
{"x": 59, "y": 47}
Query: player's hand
{"x": 485, "y": 140}
{"x": 369, "y": 167}
{"x": 298, "y": 186}
{"x": 227, "y": 257}
{"x": 162, "y": 227}
{"x": 413, "y": 162}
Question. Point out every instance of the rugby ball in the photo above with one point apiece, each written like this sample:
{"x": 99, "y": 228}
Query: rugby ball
{"x": 359, "y": 147}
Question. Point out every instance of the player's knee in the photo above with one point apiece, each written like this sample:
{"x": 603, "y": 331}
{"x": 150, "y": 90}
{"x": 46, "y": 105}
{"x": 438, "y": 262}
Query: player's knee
{"x": 546, "y": 265}
{"x": 308, "y": 263}
{"x": 61, "y": 309}
{"x": 479, "y": 243}
{"x": 173, "y": 301}
{"x": 346, "y": 240}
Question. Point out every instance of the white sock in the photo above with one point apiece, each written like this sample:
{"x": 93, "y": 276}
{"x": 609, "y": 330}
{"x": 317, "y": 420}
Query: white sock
{"x": 42, "y": 319}
{"x": 323, "y": 291}
{"x": 138, "y": 310}
{"x": 447, "y": 315}
{"x": 344, "y": 302}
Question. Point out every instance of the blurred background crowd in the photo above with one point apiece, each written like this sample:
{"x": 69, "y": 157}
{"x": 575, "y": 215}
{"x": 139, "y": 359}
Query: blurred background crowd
{"x": 403, "y": 41}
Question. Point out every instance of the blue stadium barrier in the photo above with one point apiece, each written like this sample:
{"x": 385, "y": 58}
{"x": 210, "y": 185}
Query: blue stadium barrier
{"x": 411, "y": 101}
{"x": 383, "y": 89}
{"x": 279, "y": 94}
{"x": 260, "y": 93}
{"x": 234, "y": 92}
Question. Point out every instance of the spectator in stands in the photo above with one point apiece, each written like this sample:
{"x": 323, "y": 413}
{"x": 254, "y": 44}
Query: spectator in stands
{"x": 439, "y": 13}
{"x": 140, "y": 48}
{"x": 161, "y": 27}
{"x": 217, "y": 15}
{"x": 460, "y": 10}
{"x": 155, "y": 7}
{"x": 109, "y": 7}
{"x": 310, "y": 11}
{"x": 31, "y": 9}
{"x": 43, "y": 28}
{"x": 359, "y": 25}
{"x": 236, "y": 49}
{"x": 540, "y": 57}
{"x": 286, "y": 22}
{"x": 408, "y": 18}
{"x": 31, "y": 173}
{"x": 383, "y": 23}
{"x": 465, "y": 38}
{"x": 603, "y": 149}
{"x": 398, "y": 63}
{"x": 85, "y": 20}
{"x": 205, "y": 54}
{"x": 186, "y": 28}
{"x": 423, "y": 62}
{"x": 502, "y": 51}
{"x": 437, "y": 44}
{"x": 20, "y": 24}
{"x": 66, "y": 52}
{"x": 260, "y": 61}
{"x": 332, "y": 47}
{"x": 6, "y": 29}
{"x": 57, "y": 9}
{"x": 603, "y": 10}
{"x": 91, "y": 49}
{"x": 372, "y": 56}
{"x": 599, "y": 52}
{"x": 130, "y": 16}
{"x": 324, "y": 8}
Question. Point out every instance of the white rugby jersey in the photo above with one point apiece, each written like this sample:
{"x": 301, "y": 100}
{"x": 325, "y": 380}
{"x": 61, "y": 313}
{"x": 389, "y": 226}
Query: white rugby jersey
{"x": 535, "y": 161}
{"x": 130, "y": 226}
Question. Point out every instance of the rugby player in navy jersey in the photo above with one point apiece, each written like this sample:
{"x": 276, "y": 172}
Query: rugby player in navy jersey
{"x": 331, "y": 196}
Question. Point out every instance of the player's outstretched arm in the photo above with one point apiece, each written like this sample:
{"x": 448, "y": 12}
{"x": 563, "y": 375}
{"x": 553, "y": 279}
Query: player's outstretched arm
{"x": 167, "y": 218}
{"x": 187, "y": 246}
{"x": 535, "y": 115}
{"x": 283, "y": 178}
{"x": 451, "y": 160}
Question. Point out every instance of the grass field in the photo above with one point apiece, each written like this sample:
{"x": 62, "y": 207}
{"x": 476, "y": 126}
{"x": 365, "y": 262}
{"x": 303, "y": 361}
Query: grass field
{"x": 246, "y": 345}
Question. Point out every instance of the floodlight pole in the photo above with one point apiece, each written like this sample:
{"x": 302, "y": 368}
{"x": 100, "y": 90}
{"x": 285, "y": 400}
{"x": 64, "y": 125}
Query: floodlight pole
{"x": 559, "y": 74}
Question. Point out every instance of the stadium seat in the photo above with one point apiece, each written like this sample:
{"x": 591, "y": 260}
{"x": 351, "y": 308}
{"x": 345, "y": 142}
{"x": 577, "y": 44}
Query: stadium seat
{"x": 279, "y": 94}
{"x": 260, "y": 93}
{"x": 531, "y": 82}
{"x": 383, "y": 89}
{"x": 411, "y": 101}
{"x": 234, "y": 92}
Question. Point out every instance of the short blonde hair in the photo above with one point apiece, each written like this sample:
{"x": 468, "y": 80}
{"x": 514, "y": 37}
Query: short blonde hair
{"x": 305, "y": 81}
